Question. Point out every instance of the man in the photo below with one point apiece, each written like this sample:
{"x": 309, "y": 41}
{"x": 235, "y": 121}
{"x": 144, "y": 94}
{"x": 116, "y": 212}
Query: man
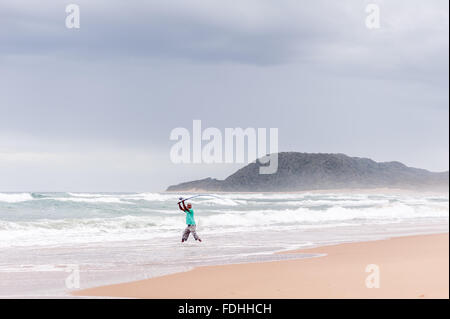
{"x": 190, "y": 222}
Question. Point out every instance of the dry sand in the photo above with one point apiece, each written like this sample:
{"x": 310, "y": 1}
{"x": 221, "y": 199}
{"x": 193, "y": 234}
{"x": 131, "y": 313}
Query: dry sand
{"x": 409, "y": 267}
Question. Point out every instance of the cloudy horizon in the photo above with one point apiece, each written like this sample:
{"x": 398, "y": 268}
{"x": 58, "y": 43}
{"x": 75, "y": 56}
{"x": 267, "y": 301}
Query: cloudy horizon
{"x": 91, "y": 109}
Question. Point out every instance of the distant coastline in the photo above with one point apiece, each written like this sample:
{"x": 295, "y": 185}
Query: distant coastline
{"x": 398, "y": 191}
{"x": 299, "y": 172}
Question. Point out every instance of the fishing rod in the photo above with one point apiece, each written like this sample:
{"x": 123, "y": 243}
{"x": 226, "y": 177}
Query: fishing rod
{"x": 181, "y": 199}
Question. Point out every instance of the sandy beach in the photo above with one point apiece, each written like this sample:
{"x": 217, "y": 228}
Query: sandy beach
{"x": 408, "y": 267}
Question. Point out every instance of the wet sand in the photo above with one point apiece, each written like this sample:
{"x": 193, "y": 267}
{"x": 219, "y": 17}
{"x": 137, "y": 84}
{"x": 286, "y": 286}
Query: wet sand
{"x": 408, "y": 267}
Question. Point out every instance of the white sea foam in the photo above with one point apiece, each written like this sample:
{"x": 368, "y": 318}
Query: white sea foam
{"x": 234, "y": 215}
{"x": 92, "y": 200}
{"x": 395, "y": 212}
{"x": 15, "y": 197}
{"x": 132, "y": 196}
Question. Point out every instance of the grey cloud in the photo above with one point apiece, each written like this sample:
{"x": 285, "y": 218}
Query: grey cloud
{"x": 136, "y": 70}
{"x": 254, "y": 32}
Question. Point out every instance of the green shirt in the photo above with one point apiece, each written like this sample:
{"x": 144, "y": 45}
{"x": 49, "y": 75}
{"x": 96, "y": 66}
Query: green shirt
{"x": 190, "y": 217}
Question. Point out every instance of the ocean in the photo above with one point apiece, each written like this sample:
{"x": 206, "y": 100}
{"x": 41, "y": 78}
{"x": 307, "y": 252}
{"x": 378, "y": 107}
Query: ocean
{"x": 48, "y": 239}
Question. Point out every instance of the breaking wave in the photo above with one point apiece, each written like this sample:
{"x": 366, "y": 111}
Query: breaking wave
{"x": 15, "y": 198}
{"x": 143, "y": 219}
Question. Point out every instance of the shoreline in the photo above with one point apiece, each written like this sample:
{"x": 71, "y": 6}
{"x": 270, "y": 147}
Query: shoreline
{"x": 409, "y": 267}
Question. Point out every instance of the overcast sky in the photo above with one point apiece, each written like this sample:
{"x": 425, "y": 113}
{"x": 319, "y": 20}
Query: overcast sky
{"x": 91, "y": 109}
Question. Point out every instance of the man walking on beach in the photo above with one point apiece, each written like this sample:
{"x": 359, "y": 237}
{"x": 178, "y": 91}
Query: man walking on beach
{"x": 190, "y": 222}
